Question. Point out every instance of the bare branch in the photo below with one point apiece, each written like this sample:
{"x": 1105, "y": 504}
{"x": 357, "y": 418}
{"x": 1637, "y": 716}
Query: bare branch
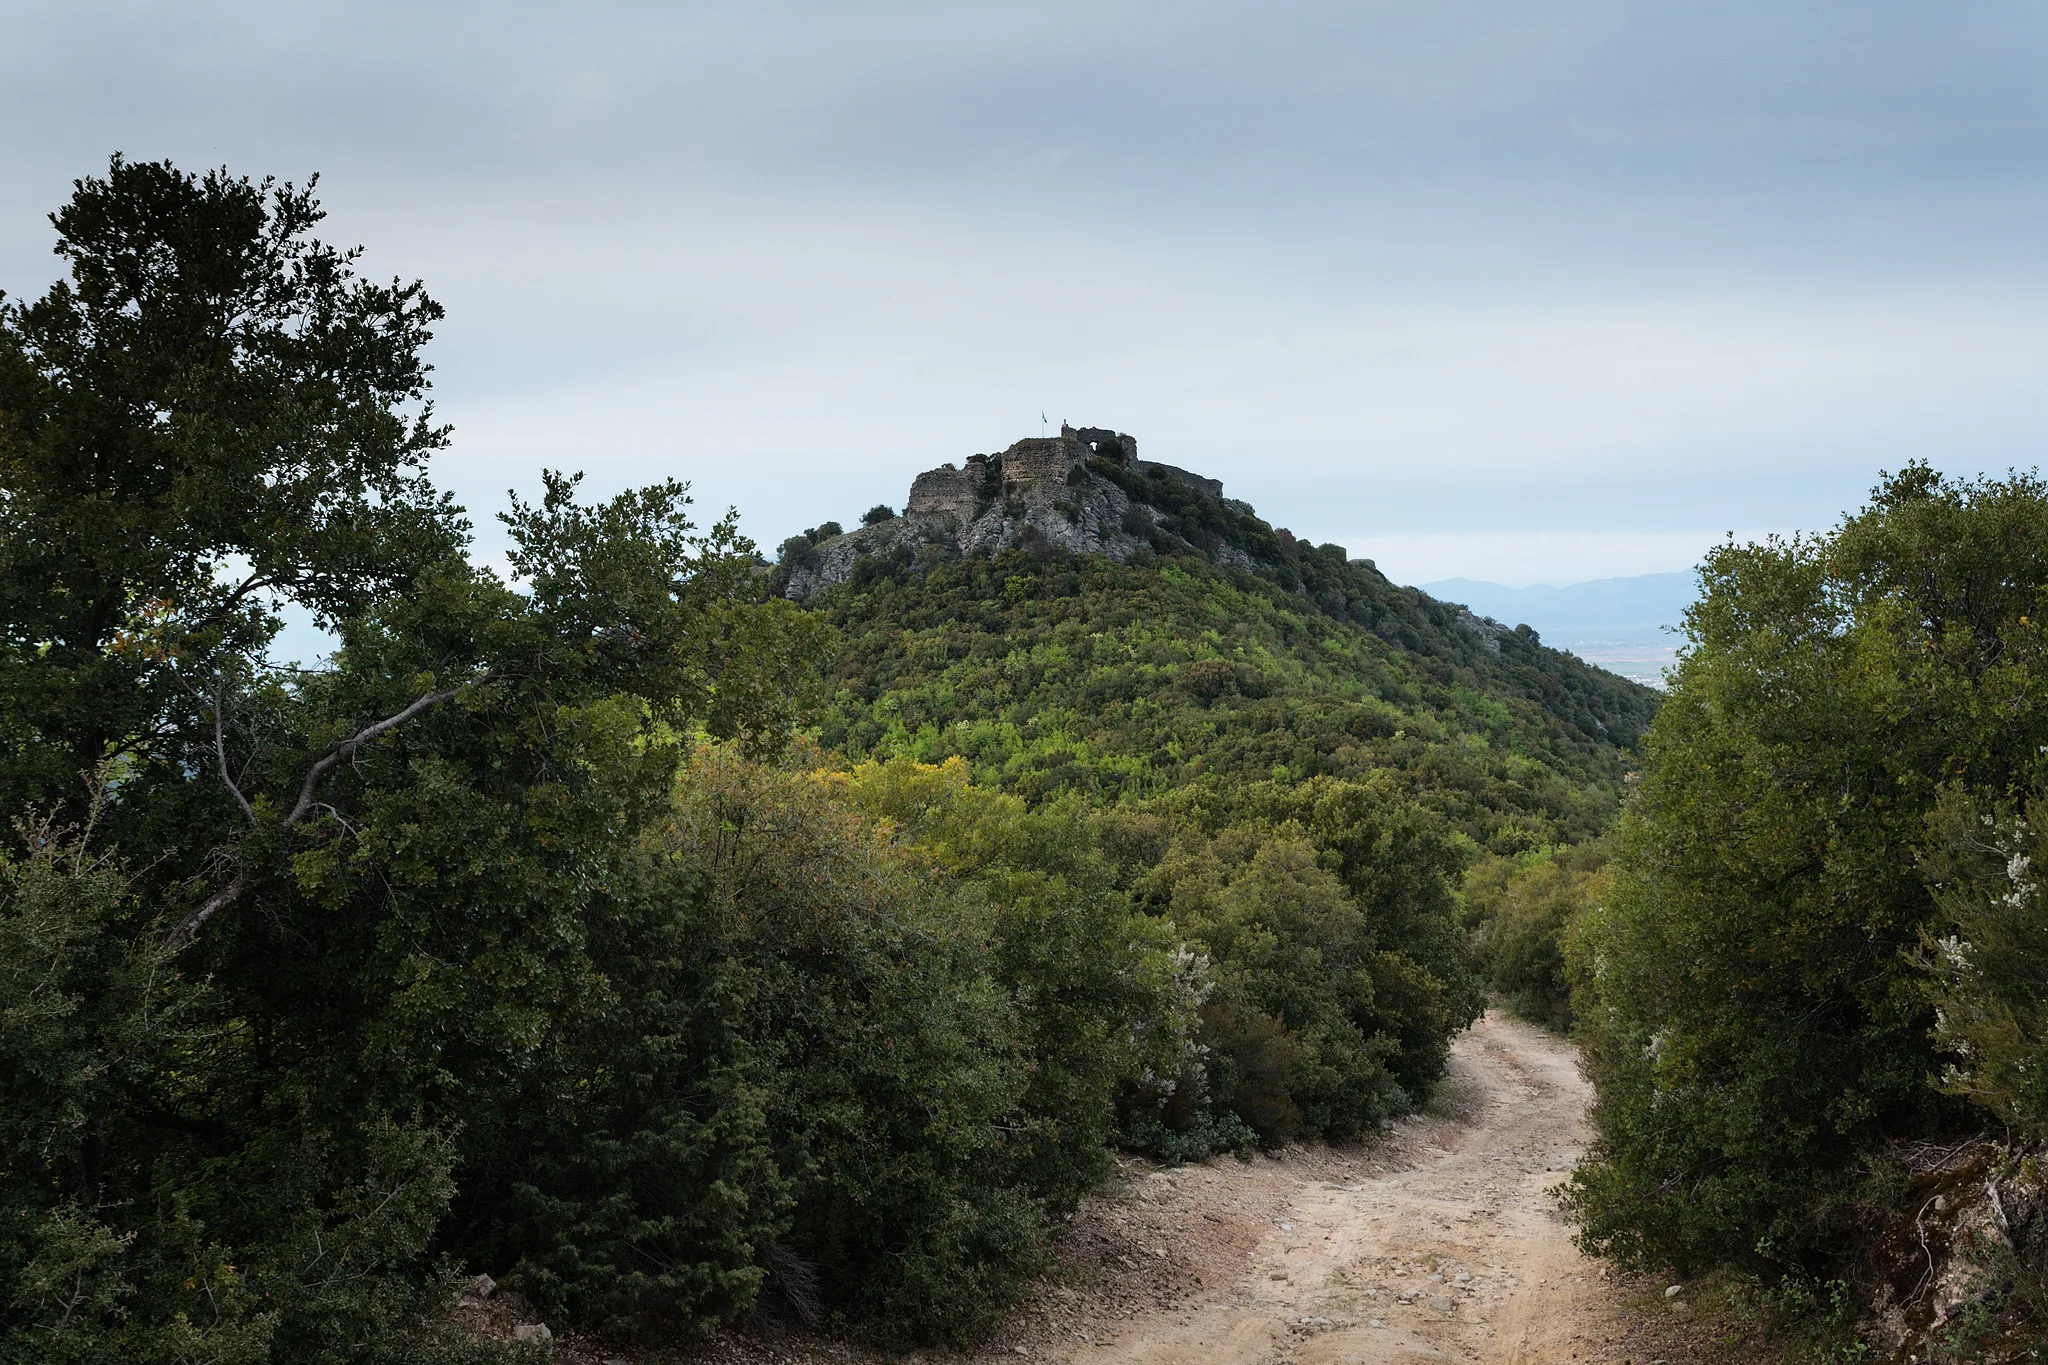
{"x": 337, "y": 754}
{"x": 345, "y": 750}
{"x": 256, "y": 582}
{"x": 211, "y": 906}
{"x": 241, "y": 591}
{"x": 220, "y": 749}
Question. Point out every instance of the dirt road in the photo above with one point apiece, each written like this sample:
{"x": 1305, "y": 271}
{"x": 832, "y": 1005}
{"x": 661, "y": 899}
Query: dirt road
{"x": 1439, "y": 1242}
{"x": 1442, "y": 1243}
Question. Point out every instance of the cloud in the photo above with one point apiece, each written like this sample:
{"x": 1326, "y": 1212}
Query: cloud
{"x": 1390, "y": 270}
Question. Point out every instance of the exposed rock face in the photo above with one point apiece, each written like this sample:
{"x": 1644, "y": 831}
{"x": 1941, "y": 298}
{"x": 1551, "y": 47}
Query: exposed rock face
{"x": 1048, "y": 493}
{"x": 1485, "y": 627}
{"x": 1950, "y": 1247}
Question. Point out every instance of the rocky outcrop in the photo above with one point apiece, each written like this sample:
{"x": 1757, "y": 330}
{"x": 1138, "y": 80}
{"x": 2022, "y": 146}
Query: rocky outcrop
{"x": 1942, "y": 1265}
{"x": 1063, "y": 493}
{"x": 1486, "y": 628}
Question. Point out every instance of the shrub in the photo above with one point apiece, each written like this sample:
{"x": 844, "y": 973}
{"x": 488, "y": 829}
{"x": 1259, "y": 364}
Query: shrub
{"x": 1105, "y": 999}
{"x": 941, "y": 996}
{"x": 306, "y": 1246}
{"x": 1518, "y": 910}
{"x": 1990, "y": 969}
{"x": 1326, "y": 910}
{"x": 1754, "y": 998}
{"x": 889, "y": 1057}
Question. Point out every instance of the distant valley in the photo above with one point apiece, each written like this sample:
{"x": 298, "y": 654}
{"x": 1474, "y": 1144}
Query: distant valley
{"x": 1624, "y": 625}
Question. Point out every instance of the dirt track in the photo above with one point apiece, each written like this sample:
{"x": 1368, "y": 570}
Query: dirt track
{"x": 1441, "y": 1243}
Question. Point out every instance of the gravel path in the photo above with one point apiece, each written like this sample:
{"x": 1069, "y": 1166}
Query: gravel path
{"x": 1441, "y": 1243}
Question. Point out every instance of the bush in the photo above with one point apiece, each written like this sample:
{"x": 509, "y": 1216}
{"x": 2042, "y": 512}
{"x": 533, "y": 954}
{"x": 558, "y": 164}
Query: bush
{"x": 306, "y": 1247}
{"x": 1990, "y": 970}
{"x": 1518, "y": 911}
{"x": 1326, "y": 911}
{"x": 941, "y": 996}
{"x": 1754, "y": 993}
{"x": 888, "y": 1055}
{"x": 1104, "y": 994}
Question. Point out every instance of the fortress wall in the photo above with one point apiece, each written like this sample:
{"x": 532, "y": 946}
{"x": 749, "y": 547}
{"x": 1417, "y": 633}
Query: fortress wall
{"x": 1107, "y": 444}
{"x": 1045, "y": 460}
{"x": 1028, "y": 463}
{"x": 943, "y": 492}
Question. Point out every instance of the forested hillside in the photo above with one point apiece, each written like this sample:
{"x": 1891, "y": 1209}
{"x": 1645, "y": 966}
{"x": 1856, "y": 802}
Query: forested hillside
{"x": 1054, "y": 673}
{"x": 1285, "y": 756}
{"x": 1124, "y": 630}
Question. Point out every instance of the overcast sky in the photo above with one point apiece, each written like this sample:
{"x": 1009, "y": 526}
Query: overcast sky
{"x": 1533, "y": 293}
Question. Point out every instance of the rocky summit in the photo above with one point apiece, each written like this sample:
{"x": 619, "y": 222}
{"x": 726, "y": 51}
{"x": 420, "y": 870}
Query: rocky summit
{"x": 1084, "y": 491}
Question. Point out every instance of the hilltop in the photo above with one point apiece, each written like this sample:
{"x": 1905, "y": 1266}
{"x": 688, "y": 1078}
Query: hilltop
{"x": 1084, "y": 491}
{"x": 1068, "y": 616}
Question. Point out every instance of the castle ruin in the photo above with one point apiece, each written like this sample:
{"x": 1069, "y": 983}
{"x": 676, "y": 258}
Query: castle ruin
{"x": 1052, "y": 492}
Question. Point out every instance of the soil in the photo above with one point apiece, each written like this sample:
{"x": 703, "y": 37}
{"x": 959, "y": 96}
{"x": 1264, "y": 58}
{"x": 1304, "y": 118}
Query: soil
{"x": 1440, "y": 1241}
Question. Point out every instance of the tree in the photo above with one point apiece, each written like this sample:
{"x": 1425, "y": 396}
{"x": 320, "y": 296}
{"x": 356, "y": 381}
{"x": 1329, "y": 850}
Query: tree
{"x": 305, "y": 934}
{"x": 213, "y": 418}
{"x": 1520, "y": 910}
{"x": 1756, "y": 1011}
{"x": 1326, "y": 907}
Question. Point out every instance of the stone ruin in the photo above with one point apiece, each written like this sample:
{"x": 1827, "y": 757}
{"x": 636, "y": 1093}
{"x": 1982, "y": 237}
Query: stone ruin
{"x": 1047, "y": 493}
{"x": 947, "y": 491}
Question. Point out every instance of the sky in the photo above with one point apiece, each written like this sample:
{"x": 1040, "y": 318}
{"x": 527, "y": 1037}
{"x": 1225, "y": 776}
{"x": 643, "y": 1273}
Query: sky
{"x": 1493, "y": 290}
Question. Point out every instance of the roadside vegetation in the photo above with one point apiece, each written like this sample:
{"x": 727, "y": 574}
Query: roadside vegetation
{"x": 1517, "y": 913}
{"x": 1812, "y": 996}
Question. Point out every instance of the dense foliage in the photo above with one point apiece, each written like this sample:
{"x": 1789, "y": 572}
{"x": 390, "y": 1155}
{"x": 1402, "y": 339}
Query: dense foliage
{"x": 1518, "y": 912}
{"x": 477, "y": 948}
{"x": 1053, "y": 674}
{"x": 1832, "y": 835}
{"x": 1327, "y": 908}
{"x": 1991, "y": 968}
{"x": 905, "y": 1006}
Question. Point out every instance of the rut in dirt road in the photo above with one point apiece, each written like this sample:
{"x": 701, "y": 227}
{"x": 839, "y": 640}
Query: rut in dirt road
{"x": 1444, "y": 1243}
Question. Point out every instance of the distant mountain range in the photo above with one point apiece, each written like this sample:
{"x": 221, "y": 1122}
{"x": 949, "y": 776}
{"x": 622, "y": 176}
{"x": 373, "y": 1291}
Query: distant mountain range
{"x": 1621, "y": 624}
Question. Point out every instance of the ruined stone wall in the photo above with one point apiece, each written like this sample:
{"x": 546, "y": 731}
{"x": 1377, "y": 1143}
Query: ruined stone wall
{"x": 945, "y": 492}
{"x": 1045, "y": 460}
{"x": 1213, "y": 487}
{"x": 1047, "y": 493}
{"x": 1108, "y": 444}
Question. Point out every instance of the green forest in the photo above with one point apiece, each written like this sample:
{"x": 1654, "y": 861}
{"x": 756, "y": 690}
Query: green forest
{"x": 674, "y": 952}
